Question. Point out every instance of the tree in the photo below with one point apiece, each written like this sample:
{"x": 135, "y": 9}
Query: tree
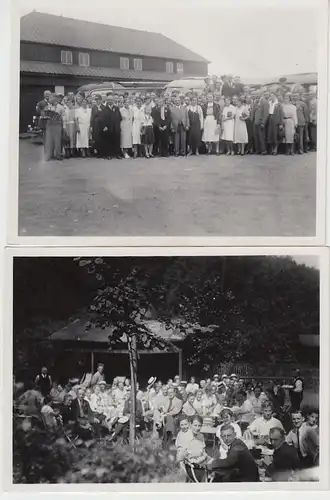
{"x": 124, "y": 305}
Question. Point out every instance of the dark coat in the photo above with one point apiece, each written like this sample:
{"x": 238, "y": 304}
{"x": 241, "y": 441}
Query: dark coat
{"x": 239, "y": 463}
{"x": 88, "y": 414}
{"x": 261, "y": 112}
{"x": 228, "y": 90}
{"x": 216, "y": 111}
{"x": 285, "y": 459}
{"x": 96, "y": 121}
{"x": 155, "y": 113}
{"x": 138, "y": 408}
{"x": 111, "y": 119}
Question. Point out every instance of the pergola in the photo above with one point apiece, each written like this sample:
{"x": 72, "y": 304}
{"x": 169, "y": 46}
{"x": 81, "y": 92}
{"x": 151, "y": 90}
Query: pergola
{"x": 95, "y": 340}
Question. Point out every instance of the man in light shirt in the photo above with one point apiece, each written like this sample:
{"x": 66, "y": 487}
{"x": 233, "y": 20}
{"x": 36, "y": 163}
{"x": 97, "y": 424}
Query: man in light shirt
{"x": 192, "y": 387}
{"x": 305, "y": 439}
{"x": 261, "y": 426}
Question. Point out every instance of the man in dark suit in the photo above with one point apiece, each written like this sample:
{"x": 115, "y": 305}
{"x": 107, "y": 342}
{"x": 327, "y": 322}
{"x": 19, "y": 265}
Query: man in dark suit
{"x": 96, "y": 124}
{"x": 162, "y": 119}
{"x": 123, "y": 427}
{"x": 260, "y": 118}
{"x": 86, "y": 421}
{"x": 115, "y": 119}
{"x": 285, "y": 457}
{"x": 239, "y": 466}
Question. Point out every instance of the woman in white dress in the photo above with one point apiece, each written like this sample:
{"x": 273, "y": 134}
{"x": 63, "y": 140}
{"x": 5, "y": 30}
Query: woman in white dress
{"x": 126, "y": 128}
{"x": 211, "y": 133}
{"x": 228, "y": 125}
{"x": 240, "y": 130}
{"x": 83, "y": 121}
{"x": 138, "y": 119}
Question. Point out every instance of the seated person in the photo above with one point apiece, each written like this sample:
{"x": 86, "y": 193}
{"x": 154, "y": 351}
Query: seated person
{"x": 49, "y": 415}
{"x": 188, "y": 408}
{"x": 123, "y": 427}
{"x": 239, "y": 466}
{"x": 243, "y": 410}
{"x": 257, "y": 398}
{"x": 227, "y": 417}
{"x": 67, "y": 412}
{"x": 221, "y": 404}
{"x": 198, "y": 403}
{"x": 171, "y": 408}
{"x": 87, "y": 423}
{"x": 305, "y": 439}
{"x": 261, "y": 426}
{"x": 183, "y": 438}
{"x": 285, "y": 457}
{"x": 192, "y": 387}
{"x": 190, "y": 445}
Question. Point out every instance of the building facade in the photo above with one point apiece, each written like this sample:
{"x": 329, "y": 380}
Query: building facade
{"x": 62, "y": 54}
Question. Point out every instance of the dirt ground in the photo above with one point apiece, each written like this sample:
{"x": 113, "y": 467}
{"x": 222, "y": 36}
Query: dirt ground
{"x": 194, "y": 196}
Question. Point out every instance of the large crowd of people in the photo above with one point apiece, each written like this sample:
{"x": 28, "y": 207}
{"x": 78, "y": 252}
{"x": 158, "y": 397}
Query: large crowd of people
{"x": 231, "y": 120}
{"x": 224, "y": 424}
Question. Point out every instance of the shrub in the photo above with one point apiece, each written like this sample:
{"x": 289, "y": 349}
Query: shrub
{"x": 115, "y": 463}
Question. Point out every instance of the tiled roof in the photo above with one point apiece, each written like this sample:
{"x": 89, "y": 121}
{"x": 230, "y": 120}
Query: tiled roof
{"x": 93, "y": 72}
{"x": 57, "y": 30}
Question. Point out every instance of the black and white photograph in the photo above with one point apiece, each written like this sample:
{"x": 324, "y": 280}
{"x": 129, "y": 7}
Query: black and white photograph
{"x": 176, "y": 369}
{"x": 173, "y": 119}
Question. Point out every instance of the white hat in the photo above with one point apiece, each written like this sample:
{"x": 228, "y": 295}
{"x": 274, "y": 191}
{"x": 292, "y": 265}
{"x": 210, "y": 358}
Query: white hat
{"x": 152, "y": 380}
{"x": 224, "y": 376}
{"x": 102, "y": 382}
{"x": 233, "y": 375}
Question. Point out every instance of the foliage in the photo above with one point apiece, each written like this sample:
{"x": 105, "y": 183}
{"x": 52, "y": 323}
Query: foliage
{"x": 258, "y": 305}
{"x": 114, "y": 463}
{"x": 41, "y": 456}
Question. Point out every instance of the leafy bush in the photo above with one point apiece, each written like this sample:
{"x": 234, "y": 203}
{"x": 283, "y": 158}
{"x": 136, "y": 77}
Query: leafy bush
{"x": 115, "y": 463}
{"x": 41, "y": 456}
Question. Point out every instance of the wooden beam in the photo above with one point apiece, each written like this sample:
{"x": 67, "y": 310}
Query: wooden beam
{"x": 118, "y": 351}
{"x": 180, "y": 364}
{"x": 92, "y": 361}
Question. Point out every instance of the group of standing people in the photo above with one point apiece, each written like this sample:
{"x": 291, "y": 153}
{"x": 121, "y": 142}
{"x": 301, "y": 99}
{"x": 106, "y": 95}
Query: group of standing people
{"x": 124, "y": 126}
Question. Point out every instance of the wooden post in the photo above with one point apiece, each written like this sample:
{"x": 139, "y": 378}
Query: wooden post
{"x": 92, "y": 362}
{"x": 180, "y": 364}
{"x": 132, "y": 350}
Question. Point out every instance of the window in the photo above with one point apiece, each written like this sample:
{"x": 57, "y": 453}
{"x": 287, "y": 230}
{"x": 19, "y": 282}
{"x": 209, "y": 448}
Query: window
{"x": 66, "y": 57}
{"x": 179, "y": 67}
{"x": 169, "y": 67}
{"x": 138, "y": 64}
{"x": 124, "y": 63}
{"x": 83, "y": 59}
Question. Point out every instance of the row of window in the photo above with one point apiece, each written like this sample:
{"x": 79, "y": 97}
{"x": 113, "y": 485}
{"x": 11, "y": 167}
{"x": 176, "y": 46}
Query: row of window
{"x": 84, "y": 60}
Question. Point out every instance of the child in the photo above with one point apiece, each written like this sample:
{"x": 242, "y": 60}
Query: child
{"x": 148, "y": 132}
{"x": 183, "y": 439}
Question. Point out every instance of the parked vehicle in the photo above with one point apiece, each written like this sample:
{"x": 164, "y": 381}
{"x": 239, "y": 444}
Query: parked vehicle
{"x": 294, "y": 83}
{"x": 119, "y": 87}
{"x": 194, "y": 84}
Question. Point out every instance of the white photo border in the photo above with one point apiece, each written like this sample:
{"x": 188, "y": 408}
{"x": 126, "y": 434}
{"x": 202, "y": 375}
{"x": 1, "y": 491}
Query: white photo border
{"x": 324, "y": 260}
{"x": 13, "y": 237}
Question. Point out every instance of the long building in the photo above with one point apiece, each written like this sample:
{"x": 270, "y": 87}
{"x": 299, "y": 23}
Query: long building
{"x": 61, "y": 54}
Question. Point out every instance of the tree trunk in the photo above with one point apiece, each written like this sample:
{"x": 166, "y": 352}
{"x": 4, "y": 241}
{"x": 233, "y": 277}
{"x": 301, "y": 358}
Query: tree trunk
{"x": 132, "y": 351}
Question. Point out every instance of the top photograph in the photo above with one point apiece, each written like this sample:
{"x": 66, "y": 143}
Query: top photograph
{"x": 203, "y": 121}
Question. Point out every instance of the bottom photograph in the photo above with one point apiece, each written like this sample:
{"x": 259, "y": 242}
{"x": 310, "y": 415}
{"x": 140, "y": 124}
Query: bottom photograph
{"x": 166, "y": 369}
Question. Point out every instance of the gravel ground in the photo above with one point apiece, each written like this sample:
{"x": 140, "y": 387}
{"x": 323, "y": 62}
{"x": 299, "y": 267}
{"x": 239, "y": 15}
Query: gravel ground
{"x": 194, "y": 196}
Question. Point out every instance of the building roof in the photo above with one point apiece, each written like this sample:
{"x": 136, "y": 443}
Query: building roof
{"x": 77, "y": 331}
{"x": 44, "y": 28}
{"x": 50, "y": 68}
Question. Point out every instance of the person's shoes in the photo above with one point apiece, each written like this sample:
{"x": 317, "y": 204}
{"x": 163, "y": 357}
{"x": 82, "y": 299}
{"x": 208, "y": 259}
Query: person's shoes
{"x": 147, "y": 156}
{"x": 264, "y": 153}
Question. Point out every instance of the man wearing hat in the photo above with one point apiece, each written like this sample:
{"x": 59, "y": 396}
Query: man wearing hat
{"x": 54, "y": 114}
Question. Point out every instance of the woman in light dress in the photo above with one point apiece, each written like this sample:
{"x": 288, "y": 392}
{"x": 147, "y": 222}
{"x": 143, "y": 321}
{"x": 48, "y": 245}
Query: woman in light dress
{"x": 290, "y": 123}
{"x": 228, "y": 125}
{"x": 240, "y": 129}
{"x": 138, "y": 119}
{"x": 126, "y": 128}
{"x": 83, "y": 122}
{"x": 69, "y": 126}
{"x": 211, "y": 132}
